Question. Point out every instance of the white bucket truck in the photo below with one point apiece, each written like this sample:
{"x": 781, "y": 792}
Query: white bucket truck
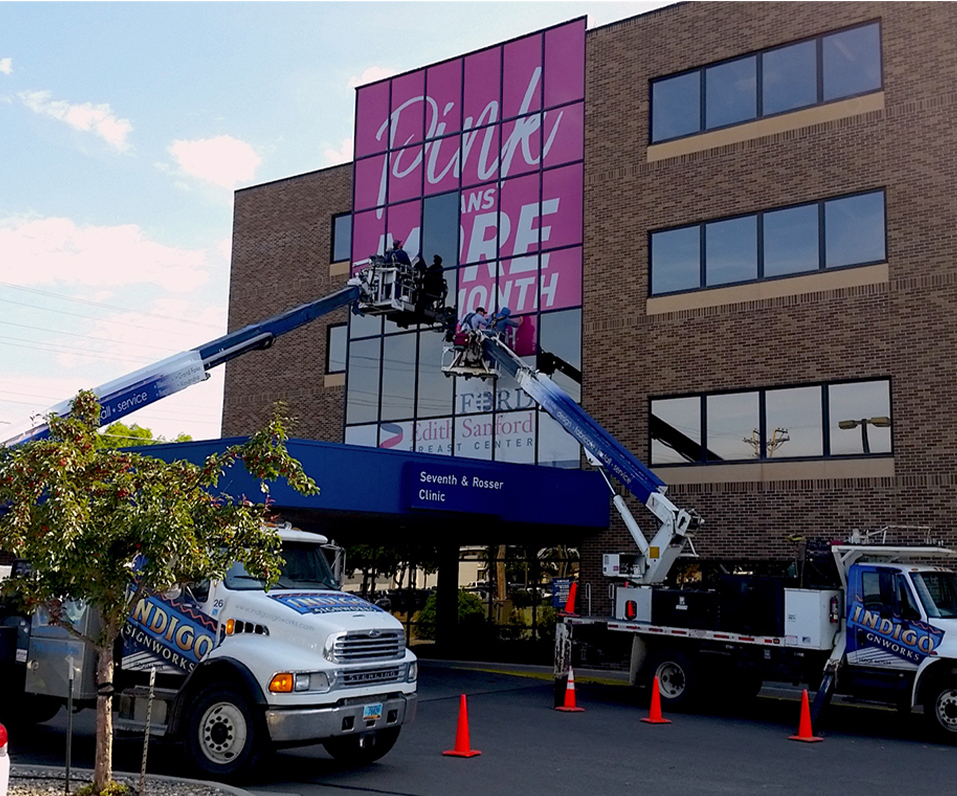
{"x": 239, "y": 669}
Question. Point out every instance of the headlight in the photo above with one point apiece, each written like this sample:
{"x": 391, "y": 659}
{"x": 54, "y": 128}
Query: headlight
{"x": 413, "y": 671}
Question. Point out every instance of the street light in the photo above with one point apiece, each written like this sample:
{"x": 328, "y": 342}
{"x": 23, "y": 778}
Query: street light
{"x": 864, "y": 422}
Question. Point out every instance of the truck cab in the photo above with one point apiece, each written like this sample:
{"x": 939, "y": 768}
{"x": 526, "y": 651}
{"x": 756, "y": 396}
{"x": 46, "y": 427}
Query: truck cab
{"x": 901, "y": 638}
{"x": 238, "y": 669}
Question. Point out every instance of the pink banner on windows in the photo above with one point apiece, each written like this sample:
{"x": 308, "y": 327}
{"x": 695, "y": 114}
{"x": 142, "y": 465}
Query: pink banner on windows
{"x": 564, "y": 64}
{"x": 522, "y": 91}
{"x": 368, "y": 235}
{"x": 560, "y": 280}
{"x": 372, "y": 116}
{"x": 442, "y": 165}
{"x": 480, "y": 151}
{"x": 520, "y": 217}
{"x": 370, "y": 182}
{"x": 408, "y": 111}
{"x": 480, "y": 102}
{"x": 479, "y": 224}
{"x": 562, "y": 207}
{"x": 521, "y": 146}
{"x": 403, "y": 225}
{"x": 405, "y": 174}
{"x": 564, "y": 135}
{"x": 443, "y": 112}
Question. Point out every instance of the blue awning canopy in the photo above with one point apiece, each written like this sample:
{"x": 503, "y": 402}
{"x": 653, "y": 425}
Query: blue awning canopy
{"x": 373, "y": 493}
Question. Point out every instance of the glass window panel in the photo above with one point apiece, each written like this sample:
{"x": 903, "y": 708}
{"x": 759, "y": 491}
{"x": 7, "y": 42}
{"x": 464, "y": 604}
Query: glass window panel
{"x": 336, "y": 348}
{"x": 852, "y": 62}
{"x": 556, "y": 447}
{"x": 676, "y": 260}
{"x": 731, "y": 92}
{"x": 434, "y": 388}
{"x": 676, "y": 431}
{"x": 560, "y": 336}
{"x": 341, "y": 237}
{"x": 396, "y": 436}
{"x": 398, "y": 376}
{"x": 508, "y": 395}
{"x": 473, "y": 396}
{"x": 515, "y": 437}
{"x": 440, "y": 228}
{"x": 793, "y": 425}
{"x": 473, "y": 437}
{"x": 789, "y": 78}
{"x": 676, "y": 106}
{"x": 367, "y": 436}
{"x": 791, "y": 240}
{"x": 731, "y": 250}
{"x": 854, "y": 230}
{"x": 364, "y": 325}
{"x": 733, "y": 426}
{"x": 362, "y": 399}
{"x": 434, "y": 436}
{"x": 864, "y": 409}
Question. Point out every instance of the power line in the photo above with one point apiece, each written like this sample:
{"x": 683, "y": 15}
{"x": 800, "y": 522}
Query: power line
{"x": 78, "y": 336}
{"x": 100, "y": 304}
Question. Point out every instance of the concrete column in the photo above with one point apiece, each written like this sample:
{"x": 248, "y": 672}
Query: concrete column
{"x": 446, "y": 595}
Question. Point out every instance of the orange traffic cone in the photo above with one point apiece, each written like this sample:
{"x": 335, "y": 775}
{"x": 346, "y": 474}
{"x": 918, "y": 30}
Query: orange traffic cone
{"x": 804, "y": 728}
{"x": 570, "y": 602}
{"x": 462, "y": 734}
{"x": 569, "y": 706}
{"x": 654, "y": 716}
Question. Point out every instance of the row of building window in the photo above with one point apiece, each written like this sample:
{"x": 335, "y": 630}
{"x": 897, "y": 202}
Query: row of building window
{"x": 830, "y": 67}
{"x": 833, "y": 233}
{"x": 814, "y": 421}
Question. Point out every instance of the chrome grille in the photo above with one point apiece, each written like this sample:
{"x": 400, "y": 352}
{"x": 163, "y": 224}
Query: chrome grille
{"x": 371, "y": 676}
{"x": 372, "y": 645}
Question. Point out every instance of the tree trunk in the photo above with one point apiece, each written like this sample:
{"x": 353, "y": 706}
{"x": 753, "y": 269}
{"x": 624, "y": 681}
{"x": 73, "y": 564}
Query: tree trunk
{"x": 103, "y": 765}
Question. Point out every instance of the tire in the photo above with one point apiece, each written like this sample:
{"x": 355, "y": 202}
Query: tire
{"x": 677, "y": 679}
{"x": 360, "y": 750}
{"x": 24, "y": 710}
{"x": 224, "y": 737}
{"x": 940, "y": 710}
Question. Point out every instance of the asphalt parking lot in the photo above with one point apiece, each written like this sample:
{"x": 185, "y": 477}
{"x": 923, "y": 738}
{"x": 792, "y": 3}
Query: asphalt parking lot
{"x": 529, "y": 748}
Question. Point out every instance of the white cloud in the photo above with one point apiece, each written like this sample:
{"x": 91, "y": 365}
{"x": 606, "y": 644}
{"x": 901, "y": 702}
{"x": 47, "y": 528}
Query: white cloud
{"x": 56, "y": 250}
{"x": 6, "y": 66}
{"x": 97, "y": 119}
{"x": 224, "y": 161}
{"x": 371, "y": 75}
{"x": 341, "y": 155}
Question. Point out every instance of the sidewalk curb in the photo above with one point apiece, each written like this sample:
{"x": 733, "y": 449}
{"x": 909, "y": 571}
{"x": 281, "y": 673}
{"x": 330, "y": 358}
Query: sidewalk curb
{"x": 87, "y": 773}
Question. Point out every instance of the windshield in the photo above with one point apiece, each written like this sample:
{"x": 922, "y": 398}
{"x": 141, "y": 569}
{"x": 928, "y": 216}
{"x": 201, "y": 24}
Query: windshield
{"x": 304, "y": 567}
{"x": 938, "y": 593}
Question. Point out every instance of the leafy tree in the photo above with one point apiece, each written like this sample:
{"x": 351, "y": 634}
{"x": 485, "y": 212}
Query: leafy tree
{"x": 120, "y": 435}
{"x": 471, "y": 612}
{"x": 112, "y": 527}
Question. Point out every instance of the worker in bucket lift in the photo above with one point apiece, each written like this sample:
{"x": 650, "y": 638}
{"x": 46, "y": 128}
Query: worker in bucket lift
{"x": 398, "y": 255}
{"x": 501, "y": 321}
{"x": 471, "y": 335}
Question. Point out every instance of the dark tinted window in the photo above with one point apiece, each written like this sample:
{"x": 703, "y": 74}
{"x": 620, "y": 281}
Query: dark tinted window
{"x": 730, "y": 92}
{"x": 440, "y": 229}
{"x": 362, "y": 398}
{"x": 676, "y": 430}
{"x": 852, "y": 62}
{"x": 560, "y": 337}
{"x": 336, "y": 348}
{"x": 791, "y": 240}
{"x": 341, "y": 237}
{"x": 398, "y": 376}
{"x": 676, "y": 104}
{"x": 556, "y": 447}
{"x": 793, "y": 423}
{"x": 859, "y": 416}
{"x": 854, "y": 230}
{"x": 789, "y": 78}
{"x": 364, "y": 325}
{"x": 731, "y": 251}
{"x": 676, "y": 260}
{"x": 733, "y": 426}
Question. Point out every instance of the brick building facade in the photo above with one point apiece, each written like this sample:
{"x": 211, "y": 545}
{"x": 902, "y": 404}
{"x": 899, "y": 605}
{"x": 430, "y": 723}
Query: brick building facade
{"x": 738, "y": 350}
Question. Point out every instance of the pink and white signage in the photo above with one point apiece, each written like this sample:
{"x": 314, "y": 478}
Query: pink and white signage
{"x": 501, "y": 130}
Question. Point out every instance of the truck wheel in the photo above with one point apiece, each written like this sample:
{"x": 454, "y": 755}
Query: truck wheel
{"x": 223, "y": 736}
{"x": 359, "y": 750}
{"x": 941, "y": 710}
{"x": 677, "y": 681}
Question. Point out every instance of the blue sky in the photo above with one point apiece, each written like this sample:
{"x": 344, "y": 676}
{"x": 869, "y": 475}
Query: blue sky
{"x": 124, "y": 130}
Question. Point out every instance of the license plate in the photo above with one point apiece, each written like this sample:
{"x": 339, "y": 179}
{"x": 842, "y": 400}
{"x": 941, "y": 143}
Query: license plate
{"x": 372, "y": 712}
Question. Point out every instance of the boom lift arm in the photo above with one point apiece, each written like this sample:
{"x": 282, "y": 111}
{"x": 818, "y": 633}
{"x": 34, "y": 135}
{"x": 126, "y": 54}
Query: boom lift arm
{"x": 677, "y": 526}
{"x": 382, "y": 288}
